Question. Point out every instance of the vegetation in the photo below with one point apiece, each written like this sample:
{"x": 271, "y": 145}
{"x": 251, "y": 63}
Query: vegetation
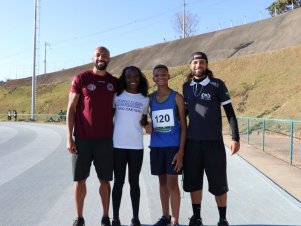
{"x": 282, "y": 6}
{"x": 261, "y": 85}
{"x": 191, "y": 23}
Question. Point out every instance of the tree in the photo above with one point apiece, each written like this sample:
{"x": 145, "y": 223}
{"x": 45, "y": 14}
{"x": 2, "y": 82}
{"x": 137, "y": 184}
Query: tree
{"x": 282, "y": 6}
{"x": 191, "y": 23}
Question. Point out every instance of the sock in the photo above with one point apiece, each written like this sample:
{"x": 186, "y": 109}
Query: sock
{"x": 222, "y": 212}
{"x": 196, "y": 210}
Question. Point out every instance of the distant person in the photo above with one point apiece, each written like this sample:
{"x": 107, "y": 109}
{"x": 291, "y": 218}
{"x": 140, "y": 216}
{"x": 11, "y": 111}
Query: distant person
{"x": 131, "y": 109}
{"x": 62, "y": 116}
{"x": 168, "y": 132}
{"x": 205, "y": 151}
{"x": 15, "y": 115}
{"x": 9, "y": 115}
{"x": 90, "y": 114}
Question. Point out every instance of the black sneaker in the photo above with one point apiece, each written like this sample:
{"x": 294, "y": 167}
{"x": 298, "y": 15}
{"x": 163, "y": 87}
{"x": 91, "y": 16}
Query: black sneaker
{"x": 163, "y": 221}
{"x": 195, "y": 221}
{"x": 79, "y": 222}
{"x": 116, "y": 222}
{"x": 135, "y": 222}
{"x": 105, "y": 221}
{"x": 223, "y": 222}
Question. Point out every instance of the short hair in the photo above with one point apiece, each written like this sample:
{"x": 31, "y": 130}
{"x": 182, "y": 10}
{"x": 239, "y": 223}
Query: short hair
{"x": 160, "y": 66}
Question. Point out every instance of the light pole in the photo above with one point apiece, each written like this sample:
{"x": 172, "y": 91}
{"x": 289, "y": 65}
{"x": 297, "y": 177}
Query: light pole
{"x": 33, "y": 80}
{"x": 45, "y": 56}
{"x": 184, "y": 17}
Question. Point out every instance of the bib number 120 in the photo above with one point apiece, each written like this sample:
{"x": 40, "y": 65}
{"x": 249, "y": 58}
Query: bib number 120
{"x": 163, "y": 118}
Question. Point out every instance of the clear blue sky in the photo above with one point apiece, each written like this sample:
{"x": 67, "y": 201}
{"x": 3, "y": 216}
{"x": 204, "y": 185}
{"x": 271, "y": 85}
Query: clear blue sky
{"x": 75, "y": 28}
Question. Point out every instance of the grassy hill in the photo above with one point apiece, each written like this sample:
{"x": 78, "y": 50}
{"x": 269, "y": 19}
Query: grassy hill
{"x": 261, "y": 85}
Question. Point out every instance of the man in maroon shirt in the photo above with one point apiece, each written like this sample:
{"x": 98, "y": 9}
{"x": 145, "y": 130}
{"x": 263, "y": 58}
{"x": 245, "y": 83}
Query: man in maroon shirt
{"x": 90, "y": 119}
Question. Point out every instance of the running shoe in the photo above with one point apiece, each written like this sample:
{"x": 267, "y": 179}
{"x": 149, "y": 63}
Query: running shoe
{"x": 105, "y": 221}
{"x": 163, "y": 221}
{"x": 135, "y": 222}
{"x": 79, "y": 222}
{"x": 116, "y": 222}
{"x": 223, "y": 222}
{"x": 195, "y": 221}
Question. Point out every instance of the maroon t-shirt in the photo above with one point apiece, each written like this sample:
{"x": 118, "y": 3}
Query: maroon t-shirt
{"x": 94, "y": 112}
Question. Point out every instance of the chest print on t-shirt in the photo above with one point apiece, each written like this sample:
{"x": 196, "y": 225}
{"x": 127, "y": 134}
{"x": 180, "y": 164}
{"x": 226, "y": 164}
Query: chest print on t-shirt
{"x": 91, "y": 87}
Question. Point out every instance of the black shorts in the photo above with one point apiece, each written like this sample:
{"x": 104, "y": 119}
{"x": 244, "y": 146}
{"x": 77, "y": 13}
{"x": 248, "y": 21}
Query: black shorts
{"x": 161, "y": 160}
{"x": 208, "y": 156}
{"x": 100, "y": 152}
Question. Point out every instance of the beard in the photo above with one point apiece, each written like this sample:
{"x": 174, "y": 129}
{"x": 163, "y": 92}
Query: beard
{"x": 101, "y": 65}
{"x": 199, "y": 74}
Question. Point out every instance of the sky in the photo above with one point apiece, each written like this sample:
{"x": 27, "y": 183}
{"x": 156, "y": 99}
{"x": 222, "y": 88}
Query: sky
{"x": 69, "y": 30}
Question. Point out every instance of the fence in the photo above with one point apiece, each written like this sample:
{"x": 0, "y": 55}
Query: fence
{"x": 51, "y": 118}
{"x": 280, "y": 138}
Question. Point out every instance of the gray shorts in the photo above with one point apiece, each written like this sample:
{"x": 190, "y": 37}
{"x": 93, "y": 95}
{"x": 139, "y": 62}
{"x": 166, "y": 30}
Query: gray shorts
{"x": 100, "y": 152}
{"x": 209, "y": 157}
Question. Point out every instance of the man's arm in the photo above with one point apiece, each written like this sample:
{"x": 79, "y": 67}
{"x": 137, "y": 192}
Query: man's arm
{"x": 71, "y": 109}
{"x": 235, "y": 144}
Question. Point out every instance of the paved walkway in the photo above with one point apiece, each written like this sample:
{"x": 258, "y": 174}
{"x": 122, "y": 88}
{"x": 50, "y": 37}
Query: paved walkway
{"x": 36, "y": 186}
{"x": 280, "y": 172}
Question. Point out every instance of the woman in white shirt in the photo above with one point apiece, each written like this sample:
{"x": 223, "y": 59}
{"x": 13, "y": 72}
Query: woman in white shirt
{"x": 131, "y": 109}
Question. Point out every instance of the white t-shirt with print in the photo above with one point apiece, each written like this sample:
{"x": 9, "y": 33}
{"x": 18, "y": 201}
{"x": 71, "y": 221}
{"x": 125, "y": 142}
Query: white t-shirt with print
{"x": 129, "y": 108}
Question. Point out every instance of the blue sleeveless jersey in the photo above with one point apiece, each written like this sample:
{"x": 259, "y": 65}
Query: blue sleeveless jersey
{"x": 165, "y": 122}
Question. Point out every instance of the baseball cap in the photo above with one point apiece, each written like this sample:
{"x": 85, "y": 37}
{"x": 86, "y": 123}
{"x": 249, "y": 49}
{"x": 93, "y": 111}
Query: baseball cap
{"x": 198, "y": 55}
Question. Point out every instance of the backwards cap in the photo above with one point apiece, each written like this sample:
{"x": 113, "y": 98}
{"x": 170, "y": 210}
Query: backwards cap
{"x": 198, "y": 56}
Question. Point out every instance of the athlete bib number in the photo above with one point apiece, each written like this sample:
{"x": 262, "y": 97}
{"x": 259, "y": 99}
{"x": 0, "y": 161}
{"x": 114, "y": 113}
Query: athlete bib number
{"x": 163, "y": 118}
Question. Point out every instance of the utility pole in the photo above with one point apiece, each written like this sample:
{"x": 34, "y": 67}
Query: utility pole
{"x": 33, "y": 81}
{"x": 184, "y": 18}
{"x": 45, "y": 56}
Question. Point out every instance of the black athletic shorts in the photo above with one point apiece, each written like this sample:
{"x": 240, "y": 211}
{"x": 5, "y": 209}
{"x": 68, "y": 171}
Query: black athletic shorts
{"x": 208, "y": 156}
{"x": 161, "y": 160}
{"x": 100, "y": 152}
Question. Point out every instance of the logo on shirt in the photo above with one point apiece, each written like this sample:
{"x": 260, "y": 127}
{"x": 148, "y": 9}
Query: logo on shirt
{"x": 205, "y": 96}
{"x": 110, "y": 86}
{"x": 91, "y": 87}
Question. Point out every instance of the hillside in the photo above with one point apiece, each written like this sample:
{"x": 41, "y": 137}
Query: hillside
{"x": 259, "y": 63}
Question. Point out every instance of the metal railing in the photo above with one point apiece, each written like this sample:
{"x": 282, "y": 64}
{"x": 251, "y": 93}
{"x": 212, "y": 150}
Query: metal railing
{"x": 278, "y": 137}
{"x": 48, "y": 118}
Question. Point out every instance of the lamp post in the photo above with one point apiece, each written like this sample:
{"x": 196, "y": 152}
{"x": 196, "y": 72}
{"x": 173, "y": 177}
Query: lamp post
{"x": 33, "y": 81}
{"x": 45, "y": 56}
{"x": 184, "y": 18}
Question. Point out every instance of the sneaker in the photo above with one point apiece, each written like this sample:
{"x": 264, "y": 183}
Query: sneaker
{"x": 223, "y": 222}
{"x": 116, "y": 222}
{"x": 163, "y": 221}
{"x": 195, "y": 221}
{"x": 135, "y": 222}
{"x": 105, "y": 221}
{"x": 79, "y": 222}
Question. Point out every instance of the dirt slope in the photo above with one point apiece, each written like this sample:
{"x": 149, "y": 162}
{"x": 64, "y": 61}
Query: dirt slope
{"x": 271, "y": 34}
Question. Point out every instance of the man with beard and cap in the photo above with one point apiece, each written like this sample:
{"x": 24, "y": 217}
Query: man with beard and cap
{"x": 205, "y": 151}
{"x": 90, "y": 119}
